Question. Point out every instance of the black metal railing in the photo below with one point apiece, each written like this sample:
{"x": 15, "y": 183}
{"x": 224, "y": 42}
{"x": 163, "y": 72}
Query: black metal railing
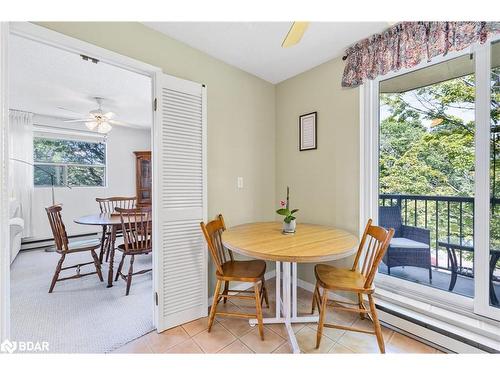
{"x": 446, "y": 217}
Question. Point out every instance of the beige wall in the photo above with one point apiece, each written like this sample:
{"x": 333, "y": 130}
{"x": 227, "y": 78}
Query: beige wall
{"x": 241, "y": 115}
{"x": 324, "y": 183}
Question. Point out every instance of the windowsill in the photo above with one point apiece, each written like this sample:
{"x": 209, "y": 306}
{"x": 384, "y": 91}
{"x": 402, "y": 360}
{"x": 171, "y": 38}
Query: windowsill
{"x": 460, "y": 323}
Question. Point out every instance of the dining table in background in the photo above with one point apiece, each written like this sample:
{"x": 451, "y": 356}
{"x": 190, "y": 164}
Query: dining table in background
{"x": 309, "y": 244}
{"x": 108, "y": 220}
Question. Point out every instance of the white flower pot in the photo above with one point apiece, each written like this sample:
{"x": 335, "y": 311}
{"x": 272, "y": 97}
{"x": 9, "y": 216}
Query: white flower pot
{"x": 289, "y": 227}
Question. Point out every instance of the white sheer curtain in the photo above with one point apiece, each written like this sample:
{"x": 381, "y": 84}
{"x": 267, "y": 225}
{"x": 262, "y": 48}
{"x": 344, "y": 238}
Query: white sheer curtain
{"x": 21, "y": 171}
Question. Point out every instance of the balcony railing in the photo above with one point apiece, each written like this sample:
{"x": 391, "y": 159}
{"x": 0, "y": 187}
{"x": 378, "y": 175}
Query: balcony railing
{"x": 446, "y": 217}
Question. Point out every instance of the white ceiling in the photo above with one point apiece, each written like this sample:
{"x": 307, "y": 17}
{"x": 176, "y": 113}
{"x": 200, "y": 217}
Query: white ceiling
{"x": 255, "y": 47}
{"x": 43, "y": 78}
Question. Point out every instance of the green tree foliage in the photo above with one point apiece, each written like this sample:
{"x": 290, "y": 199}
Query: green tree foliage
{"x": 73, "y": 163}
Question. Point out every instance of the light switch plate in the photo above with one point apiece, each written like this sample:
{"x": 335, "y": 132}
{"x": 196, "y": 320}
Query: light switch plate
{"x": 239, "y": 183}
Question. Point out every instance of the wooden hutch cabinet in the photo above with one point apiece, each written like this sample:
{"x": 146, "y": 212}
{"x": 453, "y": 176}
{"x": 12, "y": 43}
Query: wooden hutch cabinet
{"x": 143, "y": 177}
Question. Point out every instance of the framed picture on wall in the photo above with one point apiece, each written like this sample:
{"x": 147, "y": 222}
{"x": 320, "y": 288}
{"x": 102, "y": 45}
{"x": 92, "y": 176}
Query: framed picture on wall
{"x": 308, "y": 135}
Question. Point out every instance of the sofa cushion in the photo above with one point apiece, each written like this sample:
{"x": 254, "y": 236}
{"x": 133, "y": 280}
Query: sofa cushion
{"x": 406, "y": 243}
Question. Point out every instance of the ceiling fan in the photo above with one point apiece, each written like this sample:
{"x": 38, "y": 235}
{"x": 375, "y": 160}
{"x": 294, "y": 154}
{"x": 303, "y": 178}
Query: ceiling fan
{"x": 98, "y": 120}
{"x": 295, "y": 34}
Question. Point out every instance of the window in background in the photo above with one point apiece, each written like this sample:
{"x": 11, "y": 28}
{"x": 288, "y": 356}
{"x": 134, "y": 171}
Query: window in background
{"x": 71, "y": 162}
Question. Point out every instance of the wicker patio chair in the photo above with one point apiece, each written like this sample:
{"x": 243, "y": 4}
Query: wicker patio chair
{"x": 410, "y": 246}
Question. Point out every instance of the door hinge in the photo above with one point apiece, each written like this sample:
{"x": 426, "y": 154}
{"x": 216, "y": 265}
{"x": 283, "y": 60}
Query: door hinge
{"x": 155, "y": 104}
{"x": 156, "y": 298}
{"x": 88, "y": 58}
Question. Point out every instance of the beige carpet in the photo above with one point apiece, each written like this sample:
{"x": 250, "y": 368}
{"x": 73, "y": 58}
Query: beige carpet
{"x": 82, "y": 315}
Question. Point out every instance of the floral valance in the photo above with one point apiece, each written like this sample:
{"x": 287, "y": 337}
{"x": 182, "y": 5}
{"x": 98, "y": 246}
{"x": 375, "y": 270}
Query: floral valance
{"x": 407, "y": 44}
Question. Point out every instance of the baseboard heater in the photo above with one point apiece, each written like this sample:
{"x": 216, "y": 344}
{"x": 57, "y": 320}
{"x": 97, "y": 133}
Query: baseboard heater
{"x": 430, "y": 334}
{"x": 32, "y": 244}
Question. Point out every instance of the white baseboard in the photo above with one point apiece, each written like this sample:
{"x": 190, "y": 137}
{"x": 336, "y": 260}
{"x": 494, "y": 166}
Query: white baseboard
{"x": 240, "y": 286}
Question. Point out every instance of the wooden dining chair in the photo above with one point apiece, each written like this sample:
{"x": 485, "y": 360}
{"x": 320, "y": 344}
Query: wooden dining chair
{"x": 137, "y": 230}
{"x": 64, "y": 247}
{"x": 228, "y": 270}
{"x": 107, "y": 206}
{"x": 357, "y": 280}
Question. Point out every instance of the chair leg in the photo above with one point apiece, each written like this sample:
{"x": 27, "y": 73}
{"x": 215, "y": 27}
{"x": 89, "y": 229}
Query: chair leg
{"x": 129, "y": 276}
{"x": 56, "y": 273}
{"x": 97, "y": 264}
{"x": 215, "y": 301}
{"x": 321, "y": 322}
{"x": 314, "y": 300}
{"x": 264, "y": 292}
{"x": 226, "y": 288}
{"x": 361, "y": 305}
{"x": 259, "y": 310}
{"x": 103, "y": 243}
{"x": 120, "y": 266}
{"x": 376, "y": 324}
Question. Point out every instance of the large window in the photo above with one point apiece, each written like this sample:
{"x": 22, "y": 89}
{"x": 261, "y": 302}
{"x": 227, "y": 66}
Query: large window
{"x": 434, "y": 132}
{"x": 426, "y": 174}
{"x": 69, "y": 162}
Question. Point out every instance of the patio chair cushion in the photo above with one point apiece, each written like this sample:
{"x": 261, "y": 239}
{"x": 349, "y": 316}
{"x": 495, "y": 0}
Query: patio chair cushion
{"x": 406, "y": 243}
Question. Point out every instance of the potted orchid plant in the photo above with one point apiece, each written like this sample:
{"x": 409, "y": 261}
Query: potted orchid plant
{"x": 289, "y": 223}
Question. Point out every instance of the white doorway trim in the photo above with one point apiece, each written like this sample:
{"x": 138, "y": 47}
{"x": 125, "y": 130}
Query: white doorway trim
{"x": 70, "y": 44}
{"x": 4, "y": 187}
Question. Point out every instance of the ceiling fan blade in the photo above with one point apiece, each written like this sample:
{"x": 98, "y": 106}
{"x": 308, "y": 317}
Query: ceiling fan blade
{"x": 294, "y": 34}
{"x": 109, "y": 115}
{"x": 80, "y": 120}
{"x": 115, "y": 122}
{"x": 69, "y": 110}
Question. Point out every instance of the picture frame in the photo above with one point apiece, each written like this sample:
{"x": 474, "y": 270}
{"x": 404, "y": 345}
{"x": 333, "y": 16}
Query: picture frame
{"x": 308, "y": 135}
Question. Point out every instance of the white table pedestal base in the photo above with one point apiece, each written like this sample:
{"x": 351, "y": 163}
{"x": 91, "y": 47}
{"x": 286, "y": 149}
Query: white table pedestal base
{"x": 286, "y": 302}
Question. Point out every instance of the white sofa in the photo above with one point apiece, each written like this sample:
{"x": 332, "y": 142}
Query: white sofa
{"x": 16, "y": 227}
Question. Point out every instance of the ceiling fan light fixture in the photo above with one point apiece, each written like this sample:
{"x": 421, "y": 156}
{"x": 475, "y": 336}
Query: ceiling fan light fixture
{"x": 91, "y": 125}
{"x": 104, "y": 128}
{"x": 294, "y": 34}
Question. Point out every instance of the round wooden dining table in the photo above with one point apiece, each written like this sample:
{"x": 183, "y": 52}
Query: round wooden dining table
{"x": 105, "y": 220}
{"x": 309, "y": 244}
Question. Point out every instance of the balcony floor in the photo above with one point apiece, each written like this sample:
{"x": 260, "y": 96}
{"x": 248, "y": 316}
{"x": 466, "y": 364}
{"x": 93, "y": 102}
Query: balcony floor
{"x": 440, "y": 279}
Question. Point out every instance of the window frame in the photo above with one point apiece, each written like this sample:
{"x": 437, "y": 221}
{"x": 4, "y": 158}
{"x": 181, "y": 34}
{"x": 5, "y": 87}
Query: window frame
{"x": 66, "y": 165}
{"x": 405, "y": 290}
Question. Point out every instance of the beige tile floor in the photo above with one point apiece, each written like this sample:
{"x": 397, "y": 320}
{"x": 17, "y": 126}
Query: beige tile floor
{"x": 233, "y": 335}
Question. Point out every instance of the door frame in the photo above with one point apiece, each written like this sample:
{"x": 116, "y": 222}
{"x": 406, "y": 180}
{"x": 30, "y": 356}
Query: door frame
{"x": 369, "y": 186}
{"x": 55, "y": 39}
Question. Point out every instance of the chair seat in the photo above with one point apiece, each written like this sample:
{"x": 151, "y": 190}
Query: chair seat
{"x": 82, "y": 245}
{"x": 243, "y": 270}
{"x": 333, "y": 278}
{"x": 406, "y": 243}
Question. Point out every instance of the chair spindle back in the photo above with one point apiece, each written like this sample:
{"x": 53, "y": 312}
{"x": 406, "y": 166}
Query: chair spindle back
{"x": 57, "y": 226}
{"x": 373, "y": 246}
{"x": 137, "y": 228}
{"x": 108, "y": 205}
{"x": 213, "y": 232}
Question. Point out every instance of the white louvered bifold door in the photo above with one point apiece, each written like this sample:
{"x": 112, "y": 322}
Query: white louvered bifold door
{"x": 179, "y": 163}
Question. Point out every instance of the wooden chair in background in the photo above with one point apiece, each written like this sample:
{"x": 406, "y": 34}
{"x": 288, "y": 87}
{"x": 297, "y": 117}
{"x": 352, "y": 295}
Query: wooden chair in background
{"x": 64, "y": 247}
{"x": 137, "y": 233}
{"x": 107, "y": 206}
{"x": 228, "y": 270}
{"x": 357, "y": 280}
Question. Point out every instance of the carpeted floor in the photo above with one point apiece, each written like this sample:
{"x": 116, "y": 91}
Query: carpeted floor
{"x": 81, "y": 315}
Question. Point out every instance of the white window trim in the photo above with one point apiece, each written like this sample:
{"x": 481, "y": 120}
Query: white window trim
{"x": 407, "y": 294}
